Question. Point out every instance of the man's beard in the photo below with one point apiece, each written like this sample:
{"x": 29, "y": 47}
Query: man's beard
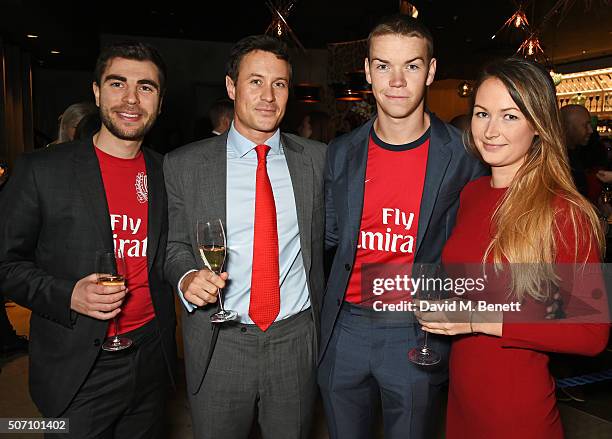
{"x": 131, "y": 135}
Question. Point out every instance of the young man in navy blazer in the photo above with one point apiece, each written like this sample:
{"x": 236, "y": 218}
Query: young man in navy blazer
{"x": 392, "y": 193}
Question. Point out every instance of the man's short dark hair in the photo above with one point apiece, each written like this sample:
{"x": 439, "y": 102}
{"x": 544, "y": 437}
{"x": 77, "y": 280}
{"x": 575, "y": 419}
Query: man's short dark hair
{"x": 220, "y": 108}
{"x": 249, "y": 44}
{"x": 403, "y": 25}
{"x": 131, "y": 50}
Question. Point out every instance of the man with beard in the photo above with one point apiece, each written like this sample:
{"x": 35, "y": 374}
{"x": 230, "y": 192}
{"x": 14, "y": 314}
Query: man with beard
{"x": 61, "y": 206}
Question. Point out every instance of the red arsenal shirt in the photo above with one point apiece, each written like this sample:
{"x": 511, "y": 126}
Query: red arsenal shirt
{"x": 125, "y": 184}
{"x": 394, "y": 180}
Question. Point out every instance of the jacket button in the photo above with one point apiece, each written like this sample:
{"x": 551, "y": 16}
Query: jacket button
{"x": 347, "y": 267}
{"x": 97, "y": 342}
{"x": 243, "y": 329}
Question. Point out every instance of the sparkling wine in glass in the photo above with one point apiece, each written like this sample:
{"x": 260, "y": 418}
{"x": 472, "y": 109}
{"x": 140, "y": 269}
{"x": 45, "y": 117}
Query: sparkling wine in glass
{"x": 111, "y": 271}
{"x": 212, "y": 248}
{"x": 424, "y": 355}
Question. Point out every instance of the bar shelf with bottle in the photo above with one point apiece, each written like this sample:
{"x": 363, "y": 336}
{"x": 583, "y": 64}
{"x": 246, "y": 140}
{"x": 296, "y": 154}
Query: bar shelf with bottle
{"x": 593, "y": 89}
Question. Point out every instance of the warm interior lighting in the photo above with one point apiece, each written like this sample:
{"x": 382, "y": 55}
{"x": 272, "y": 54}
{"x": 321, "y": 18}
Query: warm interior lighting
{"x": 464, "y": 89}
{"x": 344, "y": 92}
{"x": 307, "y": 93}
{"x": 556, "y": 77}
{"x": 55, "y": 52}
{"x": 607, "y": 71}
{"x": 531, "y": 47}
{"x": 518, "y": 20}
{"x": 31, "y": 36}
{"x": 588, "y": 81}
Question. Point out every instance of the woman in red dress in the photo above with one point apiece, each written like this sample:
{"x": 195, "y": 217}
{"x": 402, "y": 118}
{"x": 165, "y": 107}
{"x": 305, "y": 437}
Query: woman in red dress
{"x": 527, "y": 220}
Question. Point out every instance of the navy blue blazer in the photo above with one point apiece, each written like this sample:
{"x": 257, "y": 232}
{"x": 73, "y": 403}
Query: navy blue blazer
{"x": 449, "y": 168}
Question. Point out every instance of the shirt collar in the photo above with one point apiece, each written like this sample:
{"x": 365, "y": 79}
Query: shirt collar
{"x": 240, "y": 145}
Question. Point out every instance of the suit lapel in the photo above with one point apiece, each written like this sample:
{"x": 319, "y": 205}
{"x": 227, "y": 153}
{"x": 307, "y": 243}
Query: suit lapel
{"x": 89, "y": 177}
{"x": 438, "y": 160}
{"x": 300, "y": 171}
{"x": 355, "y": 178}
{"x": 210, "y": 182}
{"x": 155, "y": 194}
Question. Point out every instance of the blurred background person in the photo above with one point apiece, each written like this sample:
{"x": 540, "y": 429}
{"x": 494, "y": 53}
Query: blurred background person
{"x": 221, "y": 114}
{"x": 217, "y": 122}
{"x": 316, "y": 125}
{"x": 70, "y": 118}
{"x": 577, "y": 128}
{"x": 87, "y": 127}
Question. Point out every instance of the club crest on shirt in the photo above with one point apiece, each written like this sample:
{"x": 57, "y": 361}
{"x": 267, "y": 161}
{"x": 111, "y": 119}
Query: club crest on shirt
{"x": 141, "y": 187}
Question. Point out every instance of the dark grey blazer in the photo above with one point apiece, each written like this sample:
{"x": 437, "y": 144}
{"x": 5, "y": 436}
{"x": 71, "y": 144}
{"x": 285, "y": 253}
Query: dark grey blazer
{"x": 449, "y": 168}
{"x": 53, "y": 218}
{"x": 196, "y": 177}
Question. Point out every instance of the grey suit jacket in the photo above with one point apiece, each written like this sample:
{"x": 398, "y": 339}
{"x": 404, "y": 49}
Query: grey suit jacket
{"x": 196, "y": 184}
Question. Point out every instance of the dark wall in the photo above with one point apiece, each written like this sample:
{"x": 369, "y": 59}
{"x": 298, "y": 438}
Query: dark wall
{"x": 196, "y": 78}
{"x": 53, "y": 92}
{"x": 16, "y": 133}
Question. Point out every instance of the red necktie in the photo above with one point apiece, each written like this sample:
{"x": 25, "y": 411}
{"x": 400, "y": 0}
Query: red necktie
{"x": 265, "y": 290}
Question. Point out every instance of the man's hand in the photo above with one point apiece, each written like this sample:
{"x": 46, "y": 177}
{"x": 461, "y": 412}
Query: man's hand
{"x": 202, "y": 287}
{"x": 97, "y": 301}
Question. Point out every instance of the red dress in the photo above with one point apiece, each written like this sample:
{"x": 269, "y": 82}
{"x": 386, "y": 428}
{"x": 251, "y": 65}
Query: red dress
{"x": 500, "y": 387}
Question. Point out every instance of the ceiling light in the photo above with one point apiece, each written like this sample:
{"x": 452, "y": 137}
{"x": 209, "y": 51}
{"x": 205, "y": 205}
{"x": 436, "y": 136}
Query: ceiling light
{"x": 31, "y": 36}
{"x": 55, "y": 52}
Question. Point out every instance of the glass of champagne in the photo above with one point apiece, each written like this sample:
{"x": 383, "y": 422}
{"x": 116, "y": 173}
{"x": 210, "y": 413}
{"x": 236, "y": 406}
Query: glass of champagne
{"x": 424, "y": 355}
{"x": 111, "y": 270}
{"x": 212, "y": 248}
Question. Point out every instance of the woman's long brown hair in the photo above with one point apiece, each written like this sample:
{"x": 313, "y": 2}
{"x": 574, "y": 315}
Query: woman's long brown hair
{"x": 526, "y": 222}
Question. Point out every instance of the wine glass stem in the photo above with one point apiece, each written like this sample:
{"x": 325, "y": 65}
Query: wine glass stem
{"x": 425, "y": 347}
{"x": 221, "y": 300}
{"x": 116, "y": 337}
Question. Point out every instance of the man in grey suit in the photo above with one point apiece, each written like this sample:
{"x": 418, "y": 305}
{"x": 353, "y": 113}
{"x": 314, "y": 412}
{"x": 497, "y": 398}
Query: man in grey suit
{"x": 267, "y": 188}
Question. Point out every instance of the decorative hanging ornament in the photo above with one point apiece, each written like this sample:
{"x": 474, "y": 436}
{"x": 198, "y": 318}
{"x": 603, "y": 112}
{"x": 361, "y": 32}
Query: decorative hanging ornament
{"x": 517, "y": 20}
{"x": 531, "y": 48}
{"x": 279, "y": 27}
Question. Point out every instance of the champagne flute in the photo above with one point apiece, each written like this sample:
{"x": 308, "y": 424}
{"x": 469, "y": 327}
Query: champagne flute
{"x": 111, "y": 271}
{"x": 212, "y": 248}
{"x": 424, "y": 355}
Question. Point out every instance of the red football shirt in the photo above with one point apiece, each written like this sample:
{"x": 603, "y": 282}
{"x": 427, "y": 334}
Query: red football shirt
{"x": 394, "y": 180}
{"x": 125, "y": 184}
